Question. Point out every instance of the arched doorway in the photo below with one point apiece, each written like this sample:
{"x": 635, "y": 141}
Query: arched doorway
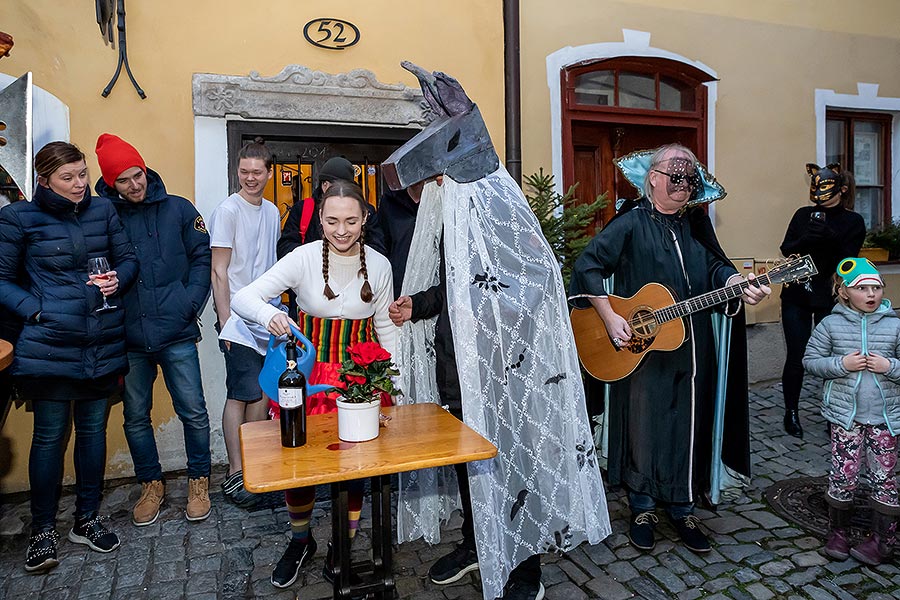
{"x": 611, "y": 107}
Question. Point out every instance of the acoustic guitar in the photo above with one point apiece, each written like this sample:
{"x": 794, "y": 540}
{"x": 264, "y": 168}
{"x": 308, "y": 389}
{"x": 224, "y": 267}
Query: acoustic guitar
{"x": 656, "y": 320}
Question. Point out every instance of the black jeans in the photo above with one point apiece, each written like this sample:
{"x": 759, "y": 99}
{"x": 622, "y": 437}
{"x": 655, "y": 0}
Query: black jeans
{"x": 51, "y": 423}
{"x": 797, "y": 322}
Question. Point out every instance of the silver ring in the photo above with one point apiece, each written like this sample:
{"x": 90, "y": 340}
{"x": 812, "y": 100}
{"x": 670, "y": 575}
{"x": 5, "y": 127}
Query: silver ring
{"x": 617, "y": 342}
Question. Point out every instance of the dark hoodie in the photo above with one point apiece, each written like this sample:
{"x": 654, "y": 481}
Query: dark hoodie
{"x": 170, "y": 240}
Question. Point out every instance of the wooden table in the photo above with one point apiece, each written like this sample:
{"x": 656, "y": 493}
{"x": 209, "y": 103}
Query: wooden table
{"x": 418, "y": 436}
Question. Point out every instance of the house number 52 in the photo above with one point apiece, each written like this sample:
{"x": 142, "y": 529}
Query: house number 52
{"x": 333, "y": 34}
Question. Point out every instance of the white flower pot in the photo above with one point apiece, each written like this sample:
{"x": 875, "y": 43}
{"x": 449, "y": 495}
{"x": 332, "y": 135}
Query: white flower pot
{"x": 358, "y": 422}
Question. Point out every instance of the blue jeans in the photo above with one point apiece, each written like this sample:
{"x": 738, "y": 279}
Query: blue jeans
{"x": 48, "y": 444}
{"x": 643, "y": 503}
{"x": 181, "y": 372}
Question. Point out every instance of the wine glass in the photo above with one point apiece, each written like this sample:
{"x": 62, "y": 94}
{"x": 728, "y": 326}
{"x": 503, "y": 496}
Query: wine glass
{"x": 98, "y": 268}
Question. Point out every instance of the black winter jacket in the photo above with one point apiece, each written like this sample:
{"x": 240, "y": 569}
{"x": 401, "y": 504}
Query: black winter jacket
{"x": 397, "y": 216}
{"x": 44, "y": 249}
{"x": 172, "y": 246}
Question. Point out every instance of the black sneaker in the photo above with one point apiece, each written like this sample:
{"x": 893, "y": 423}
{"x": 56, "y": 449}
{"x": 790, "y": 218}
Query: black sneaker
{"x": 91, "y": 532}
{"x": 640, "y": 533}
{"x": 523, "y": 590}
{"x": 244, "y": 499}
{"x": 41, "y": 555}
{"x": 296, "y": 555}
{"x": 454, "y": 566}
{"x": 689, "y": 530}
{"x": 232, "y": 483}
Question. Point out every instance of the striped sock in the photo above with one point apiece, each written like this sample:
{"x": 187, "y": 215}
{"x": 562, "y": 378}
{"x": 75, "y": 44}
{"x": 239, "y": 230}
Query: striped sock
{"x": 300, "y": 502}
{"x": 354, "y": 506}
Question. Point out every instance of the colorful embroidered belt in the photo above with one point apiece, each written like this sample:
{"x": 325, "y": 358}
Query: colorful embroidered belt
{"x": 332, "y": 336}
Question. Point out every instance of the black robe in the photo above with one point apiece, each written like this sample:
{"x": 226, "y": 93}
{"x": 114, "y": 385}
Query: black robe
{"x": 661, "y": 417}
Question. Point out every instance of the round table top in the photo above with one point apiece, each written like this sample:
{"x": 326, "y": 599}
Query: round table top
{"x": 6, "y": 354}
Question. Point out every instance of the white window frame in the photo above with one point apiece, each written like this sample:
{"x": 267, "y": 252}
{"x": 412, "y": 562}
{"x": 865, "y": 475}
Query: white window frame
{"x": 866, "y": 99}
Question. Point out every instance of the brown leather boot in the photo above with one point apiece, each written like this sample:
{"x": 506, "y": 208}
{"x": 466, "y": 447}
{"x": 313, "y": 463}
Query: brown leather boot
{"x": 198, "y": 505}
{"x": 146, "y": 511}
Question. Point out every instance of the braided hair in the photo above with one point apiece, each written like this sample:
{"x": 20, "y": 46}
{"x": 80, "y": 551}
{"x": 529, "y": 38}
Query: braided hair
{"x": 346, "y": 189}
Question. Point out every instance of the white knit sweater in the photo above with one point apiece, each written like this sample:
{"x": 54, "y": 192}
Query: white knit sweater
{"x": 301, "y": 271}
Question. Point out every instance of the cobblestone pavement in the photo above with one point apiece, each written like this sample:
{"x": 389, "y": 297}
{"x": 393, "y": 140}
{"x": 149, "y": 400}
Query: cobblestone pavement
{"x": 756, "y": 554}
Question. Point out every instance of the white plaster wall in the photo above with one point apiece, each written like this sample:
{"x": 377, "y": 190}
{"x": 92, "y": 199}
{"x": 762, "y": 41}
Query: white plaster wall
{"x": 210, "y": 188}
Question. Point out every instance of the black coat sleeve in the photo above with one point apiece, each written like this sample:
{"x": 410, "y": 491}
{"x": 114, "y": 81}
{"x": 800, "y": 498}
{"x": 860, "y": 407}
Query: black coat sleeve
{"x": 121, "y": 254}
{"x": 195, "y": 238}
{"x": 430, "y": 302}
{"x": 793, "y": 242}
{"x": 12, "y": 254}
{"x": 600, "y": 258}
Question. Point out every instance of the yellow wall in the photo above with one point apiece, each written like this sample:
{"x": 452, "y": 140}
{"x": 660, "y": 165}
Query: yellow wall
{"x": 170, "y": 40}
{"x": 770, "y": 58}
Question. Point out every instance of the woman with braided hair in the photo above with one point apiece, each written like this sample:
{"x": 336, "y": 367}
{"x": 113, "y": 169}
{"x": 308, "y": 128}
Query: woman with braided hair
{"x": 343, "y": 292}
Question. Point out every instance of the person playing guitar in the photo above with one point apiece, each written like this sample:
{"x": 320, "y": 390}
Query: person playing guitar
{"x": 660, "y": 417}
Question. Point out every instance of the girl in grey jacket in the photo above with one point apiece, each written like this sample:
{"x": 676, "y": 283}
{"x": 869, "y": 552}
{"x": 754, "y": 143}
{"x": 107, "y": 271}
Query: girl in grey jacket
{"x": 855, "y": 351}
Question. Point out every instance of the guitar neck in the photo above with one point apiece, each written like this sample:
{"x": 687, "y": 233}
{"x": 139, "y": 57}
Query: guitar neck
{"x": 707, "y": 300}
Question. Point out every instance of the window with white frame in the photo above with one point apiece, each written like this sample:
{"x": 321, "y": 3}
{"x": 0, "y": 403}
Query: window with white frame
{"x": 861, "y": 143}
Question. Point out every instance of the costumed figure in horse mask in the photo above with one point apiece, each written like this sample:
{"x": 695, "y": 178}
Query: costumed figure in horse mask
{"x": 486, "y": 333}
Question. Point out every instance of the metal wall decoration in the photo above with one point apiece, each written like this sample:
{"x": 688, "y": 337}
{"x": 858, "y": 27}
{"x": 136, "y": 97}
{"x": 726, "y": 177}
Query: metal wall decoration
{"x": 332, "y": 34}
{"x": 6, "y": 44}
{"x": 16, "y": 134}
{"x": 105, "y": 13}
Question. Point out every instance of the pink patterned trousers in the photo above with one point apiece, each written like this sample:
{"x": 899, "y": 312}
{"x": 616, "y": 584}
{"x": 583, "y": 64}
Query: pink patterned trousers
{"x": 850, "y": 449}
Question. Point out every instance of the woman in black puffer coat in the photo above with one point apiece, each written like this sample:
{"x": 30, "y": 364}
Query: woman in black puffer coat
{"x": 68, "y": 358}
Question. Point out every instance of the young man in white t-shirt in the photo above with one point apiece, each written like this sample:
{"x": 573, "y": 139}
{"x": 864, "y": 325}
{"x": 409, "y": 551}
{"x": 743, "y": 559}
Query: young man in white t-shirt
{"x": 244, "y": 230}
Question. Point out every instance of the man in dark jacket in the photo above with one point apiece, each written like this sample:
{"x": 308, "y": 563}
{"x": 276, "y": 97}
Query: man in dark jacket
{"x": 172, "y": 245}
{"x": 298, "y": 230}
{"x": 397, "y": 213}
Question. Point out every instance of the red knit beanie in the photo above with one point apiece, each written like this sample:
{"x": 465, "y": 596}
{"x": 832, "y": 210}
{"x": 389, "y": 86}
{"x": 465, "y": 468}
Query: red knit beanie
{"x": 115, "y": 156}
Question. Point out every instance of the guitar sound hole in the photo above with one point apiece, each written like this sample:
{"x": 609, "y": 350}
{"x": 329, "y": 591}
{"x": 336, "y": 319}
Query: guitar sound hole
{"x": 643, "y": 323}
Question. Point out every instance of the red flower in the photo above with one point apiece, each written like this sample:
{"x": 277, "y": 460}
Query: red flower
{"x": 354, "y": 379}
{"x": 365, "y": 353}
{"x": 367, "y": 373}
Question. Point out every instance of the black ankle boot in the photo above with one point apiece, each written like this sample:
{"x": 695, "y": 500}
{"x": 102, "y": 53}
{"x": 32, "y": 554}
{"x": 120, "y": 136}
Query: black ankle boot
{"x": 792, "y": 423}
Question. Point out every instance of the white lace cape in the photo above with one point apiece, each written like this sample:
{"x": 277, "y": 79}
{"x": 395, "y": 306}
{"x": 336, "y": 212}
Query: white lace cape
{"x": 519, "y": 376}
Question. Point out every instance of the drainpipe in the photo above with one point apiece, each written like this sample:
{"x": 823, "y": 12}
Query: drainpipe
{"x": 512, "y": 87}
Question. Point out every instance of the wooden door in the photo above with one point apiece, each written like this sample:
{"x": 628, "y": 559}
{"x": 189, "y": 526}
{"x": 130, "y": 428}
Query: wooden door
{"x": 596, "y": 145}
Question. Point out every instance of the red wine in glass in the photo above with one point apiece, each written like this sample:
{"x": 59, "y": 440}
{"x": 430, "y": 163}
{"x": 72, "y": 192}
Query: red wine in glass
{"x": 98, "y": 270}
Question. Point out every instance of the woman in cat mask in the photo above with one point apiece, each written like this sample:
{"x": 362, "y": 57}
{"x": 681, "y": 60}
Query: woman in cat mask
{"x": 828, "y": 230}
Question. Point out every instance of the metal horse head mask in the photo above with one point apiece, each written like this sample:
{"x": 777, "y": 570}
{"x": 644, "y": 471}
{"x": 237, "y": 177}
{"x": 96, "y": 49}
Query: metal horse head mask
{"x": 456, "y": 143}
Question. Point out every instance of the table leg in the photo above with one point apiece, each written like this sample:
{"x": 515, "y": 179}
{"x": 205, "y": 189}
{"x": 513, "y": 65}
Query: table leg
{"x": 382, "y": 530}
{"x": 340, "y": 539}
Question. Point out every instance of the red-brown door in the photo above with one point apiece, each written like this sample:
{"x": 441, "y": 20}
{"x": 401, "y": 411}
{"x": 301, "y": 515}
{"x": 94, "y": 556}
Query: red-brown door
{"x": 597, "y": 145}
{"x": 616, "y": 106}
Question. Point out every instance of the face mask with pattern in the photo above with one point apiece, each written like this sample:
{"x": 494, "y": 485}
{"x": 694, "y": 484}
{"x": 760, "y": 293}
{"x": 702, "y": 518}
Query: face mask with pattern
{"x": 824, "y": 183}
{"x": 681, "y": 175}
